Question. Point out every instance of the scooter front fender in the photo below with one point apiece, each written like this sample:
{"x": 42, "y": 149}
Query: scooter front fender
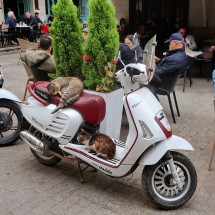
{"x": 5, "y": 94}
{"x": 156, "y": 152}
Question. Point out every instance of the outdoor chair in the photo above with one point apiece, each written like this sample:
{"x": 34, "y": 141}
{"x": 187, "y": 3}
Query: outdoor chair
{"x": 213, "y": 144}
{"x": 30, "y": 78}
{"x": 25, "y": 45}
{"x": 188, "y": 73}
{"x": 205, "y": 59}
{"x": 39, "y": 75}
{"x": 5, "y": 36}
{"x": 167, "y": 87}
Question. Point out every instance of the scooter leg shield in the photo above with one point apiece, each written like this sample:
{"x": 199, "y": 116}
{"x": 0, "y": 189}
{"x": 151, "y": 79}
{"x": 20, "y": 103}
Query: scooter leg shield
{"x": 156, "y": 152}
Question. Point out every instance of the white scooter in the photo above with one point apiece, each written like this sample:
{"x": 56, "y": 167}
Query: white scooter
{"x": 169, "y": 178}
{"x": 11, "y": 117}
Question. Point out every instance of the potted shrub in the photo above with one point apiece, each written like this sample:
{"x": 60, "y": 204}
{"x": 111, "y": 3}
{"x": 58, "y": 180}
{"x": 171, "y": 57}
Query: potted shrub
{"x": 66, "y": 39}
{"x": 100, "y": 49}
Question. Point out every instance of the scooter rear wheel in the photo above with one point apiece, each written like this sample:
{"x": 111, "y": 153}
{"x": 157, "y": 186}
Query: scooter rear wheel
{"x": 46, "y": 160}
{"x": 11, "y": 121}
{"x": 158, "y": 182}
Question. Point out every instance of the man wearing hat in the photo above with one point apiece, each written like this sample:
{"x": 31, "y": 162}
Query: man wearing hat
{"x": 175, "y": 60}
{"x": 36, "y": 15}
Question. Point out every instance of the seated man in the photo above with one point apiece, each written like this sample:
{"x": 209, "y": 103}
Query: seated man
{"x": 174, "y": 62}
{"x": 32, "y": 31}
{"x": 11, "y": 21}
{"x": 41, "y": 59}
{"x": 188, "y": 39}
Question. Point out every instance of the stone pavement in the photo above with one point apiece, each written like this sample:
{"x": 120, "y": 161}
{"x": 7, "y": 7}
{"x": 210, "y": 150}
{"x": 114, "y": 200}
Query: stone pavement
{"x": 30, "y": 188}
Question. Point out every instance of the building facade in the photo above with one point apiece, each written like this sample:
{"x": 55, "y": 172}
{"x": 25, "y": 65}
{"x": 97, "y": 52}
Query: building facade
{"x": 198, "y": 15}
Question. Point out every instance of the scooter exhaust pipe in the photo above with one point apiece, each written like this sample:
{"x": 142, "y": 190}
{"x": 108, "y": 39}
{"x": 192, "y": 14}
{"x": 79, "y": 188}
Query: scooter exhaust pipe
{"x": 32, "y": 141}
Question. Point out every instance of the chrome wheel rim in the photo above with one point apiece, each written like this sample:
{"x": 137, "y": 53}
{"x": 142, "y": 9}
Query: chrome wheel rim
{"x": 164, "y": 184}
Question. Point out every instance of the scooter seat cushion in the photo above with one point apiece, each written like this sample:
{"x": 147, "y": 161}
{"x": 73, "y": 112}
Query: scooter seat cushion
{"x": 91, "y": 107}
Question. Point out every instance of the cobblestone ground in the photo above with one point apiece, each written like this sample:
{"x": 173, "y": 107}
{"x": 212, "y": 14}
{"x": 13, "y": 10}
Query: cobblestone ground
{"x": 29, "y": 188}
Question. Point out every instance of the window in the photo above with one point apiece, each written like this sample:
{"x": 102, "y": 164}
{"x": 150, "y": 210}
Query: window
{"x": 36, "y": 4}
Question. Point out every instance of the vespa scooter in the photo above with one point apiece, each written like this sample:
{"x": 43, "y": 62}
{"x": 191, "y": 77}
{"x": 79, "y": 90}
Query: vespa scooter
{"x": 169, "y": 177}
{"x": 10, "y": 115}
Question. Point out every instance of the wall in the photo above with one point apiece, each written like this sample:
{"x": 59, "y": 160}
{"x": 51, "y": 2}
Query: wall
{"x": 42, "y": 10}
{"x": 122, "y": 9}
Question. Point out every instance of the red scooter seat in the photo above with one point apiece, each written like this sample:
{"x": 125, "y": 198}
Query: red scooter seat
{"x": 91, "y": 107}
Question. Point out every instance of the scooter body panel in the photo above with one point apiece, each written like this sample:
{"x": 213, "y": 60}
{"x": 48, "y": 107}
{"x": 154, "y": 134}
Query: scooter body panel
{"x": 5, "y": 94}
{"x": 111, "y": 167}
{"x": 137, "y": 103}
{"x": 156, "y": 152}
{"x": 61, "y": 125}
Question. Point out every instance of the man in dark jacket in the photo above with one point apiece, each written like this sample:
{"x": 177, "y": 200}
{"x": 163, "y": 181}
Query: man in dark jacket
{"x": 11, "y": 21}
{"x": 174, "y": 62}
{"x": 31, "y": 31}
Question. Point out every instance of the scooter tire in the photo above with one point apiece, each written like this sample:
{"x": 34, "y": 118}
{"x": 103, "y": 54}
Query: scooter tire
{"x": 46, "y": 160}
{"x": 157, "y": 182}
{"x": 15, "y": 109}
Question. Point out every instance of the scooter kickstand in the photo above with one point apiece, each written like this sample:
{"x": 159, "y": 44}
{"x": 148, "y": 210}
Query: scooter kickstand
{"x": 81, "y": 171}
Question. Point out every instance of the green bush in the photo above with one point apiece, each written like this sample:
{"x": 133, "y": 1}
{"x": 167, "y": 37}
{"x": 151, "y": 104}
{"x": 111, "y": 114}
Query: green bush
{"x": 67, "y": 39}
{"x": 101, "y": 46}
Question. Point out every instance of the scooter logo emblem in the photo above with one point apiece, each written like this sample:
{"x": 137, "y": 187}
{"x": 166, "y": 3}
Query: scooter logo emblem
{"x": 135, "y": 105}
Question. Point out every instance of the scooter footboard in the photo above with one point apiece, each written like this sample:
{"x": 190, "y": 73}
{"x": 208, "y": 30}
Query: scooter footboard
{"x": 155, "y": 153}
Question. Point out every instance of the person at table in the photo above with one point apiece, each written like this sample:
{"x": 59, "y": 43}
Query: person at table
{"x": 30, "y": 32}
{"x": 11, "y": 21}
{"x": 174, "y": 62}
{"x": 36, "y": 15}
{"x": 139, "y": 50}
{"x": 50, "y": 18}
{"x": 41, "y": 58}
{"x": 188, "y": 39}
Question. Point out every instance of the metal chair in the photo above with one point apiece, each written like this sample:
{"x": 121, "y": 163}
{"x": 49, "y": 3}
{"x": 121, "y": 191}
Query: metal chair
{"x": 205, "y": 59}
{"x": 213, "y": 146}
{"x": 30, "y": 78}
{"x": 25, "y": 45}
{"x": 188, "y": 73}
{"x": 5, "y": 36}
{"x": 167, "y": 87}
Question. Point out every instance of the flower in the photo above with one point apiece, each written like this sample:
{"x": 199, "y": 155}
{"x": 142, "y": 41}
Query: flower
{"x": 86, "y": 58}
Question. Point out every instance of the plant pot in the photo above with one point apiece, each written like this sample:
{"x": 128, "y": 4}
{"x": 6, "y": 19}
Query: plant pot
{"x": 111, "y": 125}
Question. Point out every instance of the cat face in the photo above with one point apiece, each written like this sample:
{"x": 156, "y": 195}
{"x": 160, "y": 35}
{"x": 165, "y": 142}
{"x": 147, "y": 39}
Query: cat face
{"x": 53, "y": 88}
{"x": 84, "y": 137}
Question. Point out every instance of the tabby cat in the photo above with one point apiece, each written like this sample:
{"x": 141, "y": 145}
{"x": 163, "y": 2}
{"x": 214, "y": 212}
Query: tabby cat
{"x": 69, "y": 88}
{"x": 101, "y": 144}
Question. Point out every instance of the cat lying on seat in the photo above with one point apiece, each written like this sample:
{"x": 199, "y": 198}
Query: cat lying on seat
{"x": 69, "y": 88}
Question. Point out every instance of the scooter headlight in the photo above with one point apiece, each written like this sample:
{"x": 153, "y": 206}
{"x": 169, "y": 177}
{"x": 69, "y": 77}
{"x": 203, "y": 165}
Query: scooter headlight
{"x": 147, "y": 134}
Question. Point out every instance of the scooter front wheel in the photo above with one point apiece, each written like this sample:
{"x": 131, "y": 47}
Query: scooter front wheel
{"x": 10, "y": 122}
{"x": 160, "y": 186}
